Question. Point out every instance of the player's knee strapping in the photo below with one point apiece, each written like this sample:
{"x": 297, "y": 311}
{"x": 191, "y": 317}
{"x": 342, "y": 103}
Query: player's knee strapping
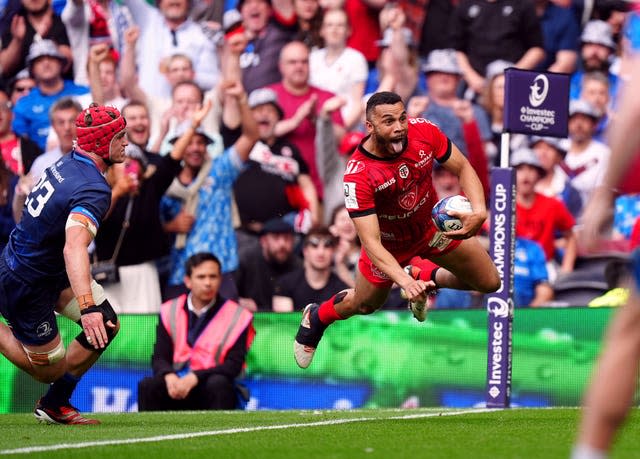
{"x": 108, "y": 315}
{"x": 46, "y": 358}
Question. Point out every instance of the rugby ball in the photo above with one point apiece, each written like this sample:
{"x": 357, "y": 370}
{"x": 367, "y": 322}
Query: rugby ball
{"x": 440, "y": 212}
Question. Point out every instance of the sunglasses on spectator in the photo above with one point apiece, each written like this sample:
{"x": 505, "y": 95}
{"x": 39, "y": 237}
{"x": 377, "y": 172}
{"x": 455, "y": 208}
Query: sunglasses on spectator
{"x": 315, "y": 242}
{"x": 22, "y": 88}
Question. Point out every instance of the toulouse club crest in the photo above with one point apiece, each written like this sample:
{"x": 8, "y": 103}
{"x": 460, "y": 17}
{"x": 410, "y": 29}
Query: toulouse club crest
{"x": 408, "y": 199}
{"x": 403, "y": 171}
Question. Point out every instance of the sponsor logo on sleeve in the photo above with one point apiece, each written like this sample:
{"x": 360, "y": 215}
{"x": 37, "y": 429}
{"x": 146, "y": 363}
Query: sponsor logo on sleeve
{"x": 350, "y": 199}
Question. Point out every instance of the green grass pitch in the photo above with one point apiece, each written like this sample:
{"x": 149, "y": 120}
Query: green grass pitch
{"x": 385, "y": 433}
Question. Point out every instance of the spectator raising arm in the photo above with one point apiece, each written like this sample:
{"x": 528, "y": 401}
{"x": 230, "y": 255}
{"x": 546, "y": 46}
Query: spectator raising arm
{"x": 183, "y": 141}
{"x": 128, "y": 74}
{"x": 250, "y": 133}
{"x": 97, "y": 54}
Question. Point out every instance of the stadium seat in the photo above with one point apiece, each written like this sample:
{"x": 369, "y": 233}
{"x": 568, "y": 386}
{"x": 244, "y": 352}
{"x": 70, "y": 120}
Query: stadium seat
{"x": 587, "y": 281}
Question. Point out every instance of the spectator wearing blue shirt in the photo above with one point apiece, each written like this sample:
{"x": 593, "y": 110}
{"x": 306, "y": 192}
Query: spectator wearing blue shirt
{"x": 595, "y": 89}
{"x": 627, "y": 212}
{"x": 596, "y": 53}
{"x": 531, "y": 285}
{"x": 197, "y": 205}
{"x": 439, "y": 105}
{"x": 31, "y": 113}
{"x": 631, "y": 30}
{"x": 560, "y": 34}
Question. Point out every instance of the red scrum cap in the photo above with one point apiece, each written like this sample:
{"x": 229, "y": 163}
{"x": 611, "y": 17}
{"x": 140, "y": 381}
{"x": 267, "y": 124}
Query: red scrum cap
{"x": 96, "y": 127}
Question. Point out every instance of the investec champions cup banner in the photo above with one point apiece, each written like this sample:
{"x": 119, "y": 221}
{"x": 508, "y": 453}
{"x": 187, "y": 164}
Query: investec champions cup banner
{"x": 500, "y": 303}
{"x": 536, "y": 103}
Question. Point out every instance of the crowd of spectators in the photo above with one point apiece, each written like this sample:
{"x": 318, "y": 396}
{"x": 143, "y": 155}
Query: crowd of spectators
{"x": 301, "y": 71}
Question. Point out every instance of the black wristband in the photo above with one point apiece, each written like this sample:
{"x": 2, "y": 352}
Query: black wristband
{"x": 90, "y": 309}
{"x": 433, "y": 276}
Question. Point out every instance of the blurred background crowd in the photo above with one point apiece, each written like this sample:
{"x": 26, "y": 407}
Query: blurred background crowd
{"x": 276, "y": 219}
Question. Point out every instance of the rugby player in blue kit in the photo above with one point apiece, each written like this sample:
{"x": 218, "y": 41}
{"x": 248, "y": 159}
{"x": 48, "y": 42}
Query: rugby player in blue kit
{"x": 45, "y": 267}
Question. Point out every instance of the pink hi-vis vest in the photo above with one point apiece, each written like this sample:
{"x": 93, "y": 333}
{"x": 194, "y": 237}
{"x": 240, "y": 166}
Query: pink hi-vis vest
{"x": 213, "y": 344}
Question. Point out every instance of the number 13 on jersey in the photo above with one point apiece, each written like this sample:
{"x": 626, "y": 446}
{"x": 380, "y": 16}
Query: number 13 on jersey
{"x": 39, "y": 196}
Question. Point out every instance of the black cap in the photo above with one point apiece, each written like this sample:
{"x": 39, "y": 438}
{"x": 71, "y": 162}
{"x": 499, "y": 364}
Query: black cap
{"x": 276, "y": 226}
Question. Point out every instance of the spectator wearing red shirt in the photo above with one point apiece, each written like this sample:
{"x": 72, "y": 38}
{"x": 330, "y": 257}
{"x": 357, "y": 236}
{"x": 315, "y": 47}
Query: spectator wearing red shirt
{"x": 303, "y": 105}
{"x": 541, "y": 218}
{"x": 363, "y": 17}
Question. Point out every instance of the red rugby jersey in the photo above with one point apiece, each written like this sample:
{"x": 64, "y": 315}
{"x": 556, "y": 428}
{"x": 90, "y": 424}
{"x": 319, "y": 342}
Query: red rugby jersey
{"x": 398, "y": 190}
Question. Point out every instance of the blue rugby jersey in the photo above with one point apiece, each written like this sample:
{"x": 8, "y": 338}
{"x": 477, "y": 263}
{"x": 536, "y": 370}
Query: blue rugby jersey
{"x": 72, "y": 184}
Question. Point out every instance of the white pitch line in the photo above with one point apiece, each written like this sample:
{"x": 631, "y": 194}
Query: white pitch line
{"x": 183, "y": 436}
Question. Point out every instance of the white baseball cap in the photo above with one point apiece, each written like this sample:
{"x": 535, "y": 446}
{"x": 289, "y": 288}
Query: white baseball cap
{"x": 443, "y": 61}
{"x": 598, "y": 32}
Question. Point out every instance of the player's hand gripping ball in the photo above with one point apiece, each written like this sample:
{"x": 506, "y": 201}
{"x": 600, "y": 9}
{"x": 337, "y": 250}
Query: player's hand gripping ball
{"x": 440, "y": 212}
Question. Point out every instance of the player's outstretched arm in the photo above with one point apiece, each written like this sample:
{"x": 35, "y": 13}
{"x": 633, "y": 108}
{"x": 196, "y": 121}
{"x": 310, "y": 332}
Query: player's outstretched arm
{"x": 369, "y": 233}
{"x": 76, "y": 259}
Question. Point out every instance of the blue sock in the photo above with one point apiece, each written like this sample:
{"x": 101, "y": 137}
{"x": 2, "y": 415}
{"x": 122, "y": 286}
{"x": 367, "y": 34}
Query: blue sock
{"x": 60, "y": 391}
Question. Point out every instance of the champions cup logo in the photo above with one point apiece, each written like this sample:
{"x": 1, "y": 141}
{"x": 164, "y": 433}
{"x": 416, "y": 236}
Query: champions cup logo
{"x": 536, "y": 102}
{"x": 538, "y": 94}
{"x": 498, "y": 307}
